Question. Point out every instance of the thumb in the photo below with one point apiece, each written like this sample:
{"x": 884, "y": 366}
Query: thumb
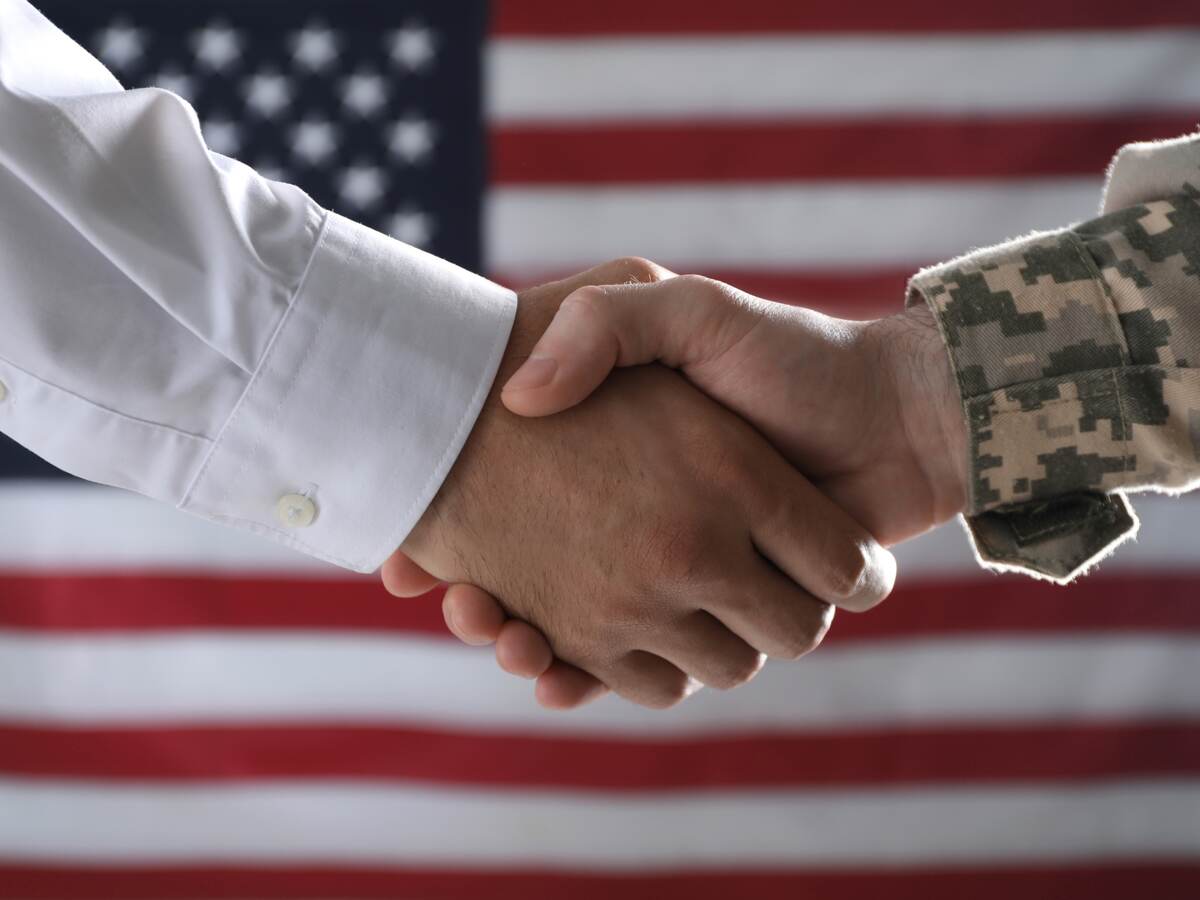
{"x": 599, "y": 328}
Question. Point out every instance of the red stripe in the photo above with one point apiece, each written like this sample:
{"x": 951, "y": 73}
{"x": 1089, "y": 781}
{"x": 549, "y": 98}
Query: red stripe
{"x": 1155, "y": 602}
{"x": 1142, "y": 879}
{"x": 1014, "y": 603}
{"x": 867, "y": 294}
{"x": 885, "y": 757}
{"x": 156, "y": 602}
{"x": 554, "y": 18}
{"x": 607, "y": 153}
{"x": 854, "y": 294}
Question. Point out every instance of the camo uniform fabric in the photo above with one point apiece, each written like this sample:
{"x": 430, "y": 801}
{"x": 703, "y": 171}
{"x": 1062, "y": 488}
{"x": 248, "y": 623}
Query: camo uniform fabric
{"x": 1077, "y": 353}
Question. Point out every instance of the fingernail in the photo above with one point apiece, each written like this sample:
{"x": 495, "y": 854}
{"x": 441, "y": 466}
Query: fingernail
{"x": 535, "y": 372}
{"x": 453, "y": 624}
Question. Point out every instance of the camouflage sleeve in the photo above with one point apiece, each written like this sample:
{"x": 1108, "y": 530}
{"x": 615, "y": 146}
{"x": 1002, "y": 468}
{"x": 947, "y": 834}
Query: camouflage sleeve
{"x": 1077, "y": 353}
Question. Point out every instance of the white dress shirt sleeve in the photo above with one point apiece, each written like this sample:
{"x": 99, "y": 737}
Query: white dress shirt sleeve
{"x": 173, "y": 323}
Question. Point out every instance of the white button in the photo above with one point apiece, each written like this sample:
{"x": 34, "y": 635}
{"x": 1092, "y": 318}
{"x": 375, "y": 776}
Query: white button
{"x": 296, "y": 511}
{"x": 3, "y": 392}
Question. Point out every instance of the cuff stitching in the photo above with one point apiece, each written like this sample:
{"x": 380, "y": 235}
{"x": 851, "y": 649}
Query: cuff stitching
{"x": 1125, "y": 427}
{"x": 1110, "y": 306}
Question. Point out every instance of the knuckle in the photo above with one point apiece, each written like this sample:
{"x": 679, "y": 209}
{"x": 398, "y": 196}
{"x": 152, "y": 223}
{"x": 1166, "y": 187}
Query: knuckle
{"x": 805, "y": 637}
{"x": 736, "y": 670}
{"x": 849, "y": 570}
{"x": 792, "y": 646}
{"x": 863, "y": 575}
{"x": 694, "y": 283}
{"x": 668, "y": 692}
{"x": 640, "y": 270}
{"x": 648, "y": 681}
{"x": 703, "y": 287}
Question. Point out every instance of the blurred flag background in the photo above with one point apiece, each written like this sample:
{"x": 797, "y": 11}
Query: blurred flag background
{"x": 187, "y": 712}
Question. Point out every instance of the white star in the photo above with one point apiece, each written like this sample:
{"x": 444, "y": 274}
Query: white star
{"x": 120, "y": 45}
{"x": 412, "y": 227}
{"x": 217, "y": 46}
{"x": 314, "y": 141}
{"x": 315, "y": 47}
{"x": 412, "y": 139}
{"x": 413, "y": 47}
{"x": 364, "y": 93}
{"x": 176, "y": 82}
{"x": 267, "y": 93}
{"x": 363, "y": 186}
{"x": 222, "y": 136}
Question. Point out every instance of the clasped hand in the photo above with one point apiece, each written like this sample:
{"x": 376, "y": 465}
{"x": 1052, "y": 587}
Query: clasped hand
{"x": 654, "y": 539}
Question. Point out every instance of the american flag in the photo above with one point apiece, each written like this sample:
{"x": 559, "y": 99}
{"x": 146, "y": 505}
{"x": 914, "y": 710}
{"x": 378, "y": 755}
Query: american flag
{"x": 187, "y": 712}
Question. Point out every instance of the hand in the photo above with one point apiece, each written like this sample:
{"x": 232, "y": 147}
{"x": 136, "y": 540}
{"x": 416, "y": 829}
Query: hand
{"x": 868, "y": 409}
{"x": 654, "y": 538}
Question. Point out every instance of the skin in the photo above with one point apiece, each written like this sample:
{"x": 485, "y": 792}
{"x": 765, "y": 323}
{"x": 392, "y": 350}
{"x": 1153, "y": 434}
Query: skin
{"x": 869, "y": 409}
{"x": 648, "y": 540}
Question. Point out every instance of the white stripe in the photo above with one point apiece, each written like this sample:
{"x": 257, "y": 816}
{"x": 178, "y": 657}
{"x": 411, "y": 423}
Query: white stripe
{"x": 65, "y": 526}
{"x": 69, "y": 525}
{"x": 240, "y": 677}
{"x": 742, "y": 77}
{"x": 789, "y": 225}
{"x": 331, "y": 823}
{"x": 1167, "y": 542}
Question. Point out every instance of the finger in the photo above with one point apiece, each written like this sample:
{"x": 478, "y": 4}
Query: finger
{"x": 648, "y": 680}
{"x": 563, "y": 686}
{"x": 819, "y": 546}
{"x": 709, "y": 652}
{"x": 472, "y": 614}
{"x": 677, "y": 321}
{"x": 522, "y": 650}
{"x": 404, "y": 578}
{"x": 766, "y": 610}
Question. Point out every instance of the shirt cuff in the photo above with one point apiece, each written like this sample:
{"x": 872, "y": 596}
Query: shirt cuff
{"x": 1042, "y": 366}
{"x": 361, "y": 403}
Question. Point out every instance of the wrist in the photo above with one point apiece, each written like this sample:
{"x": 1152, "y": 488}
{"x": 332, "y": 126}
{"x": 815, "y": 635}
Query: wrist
{"x": 497, "y": 435}
{"x": 918, "y": 363}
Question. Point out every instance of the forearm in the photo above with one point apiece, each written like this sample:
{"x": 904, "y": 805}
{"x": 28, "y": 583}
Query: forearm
{"x": 1072, "y": 353}
{"x": 178, "y": 325}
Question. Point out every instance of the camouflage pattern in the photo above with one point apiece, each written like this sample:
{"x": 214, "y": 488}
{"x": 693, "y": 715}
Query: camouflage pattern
{"x": 1078, "y": 356}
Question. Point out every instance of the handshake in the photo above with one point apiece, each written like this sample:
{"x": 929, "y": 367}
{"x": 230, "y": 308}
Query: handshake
{"x": 703, "y": 511}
